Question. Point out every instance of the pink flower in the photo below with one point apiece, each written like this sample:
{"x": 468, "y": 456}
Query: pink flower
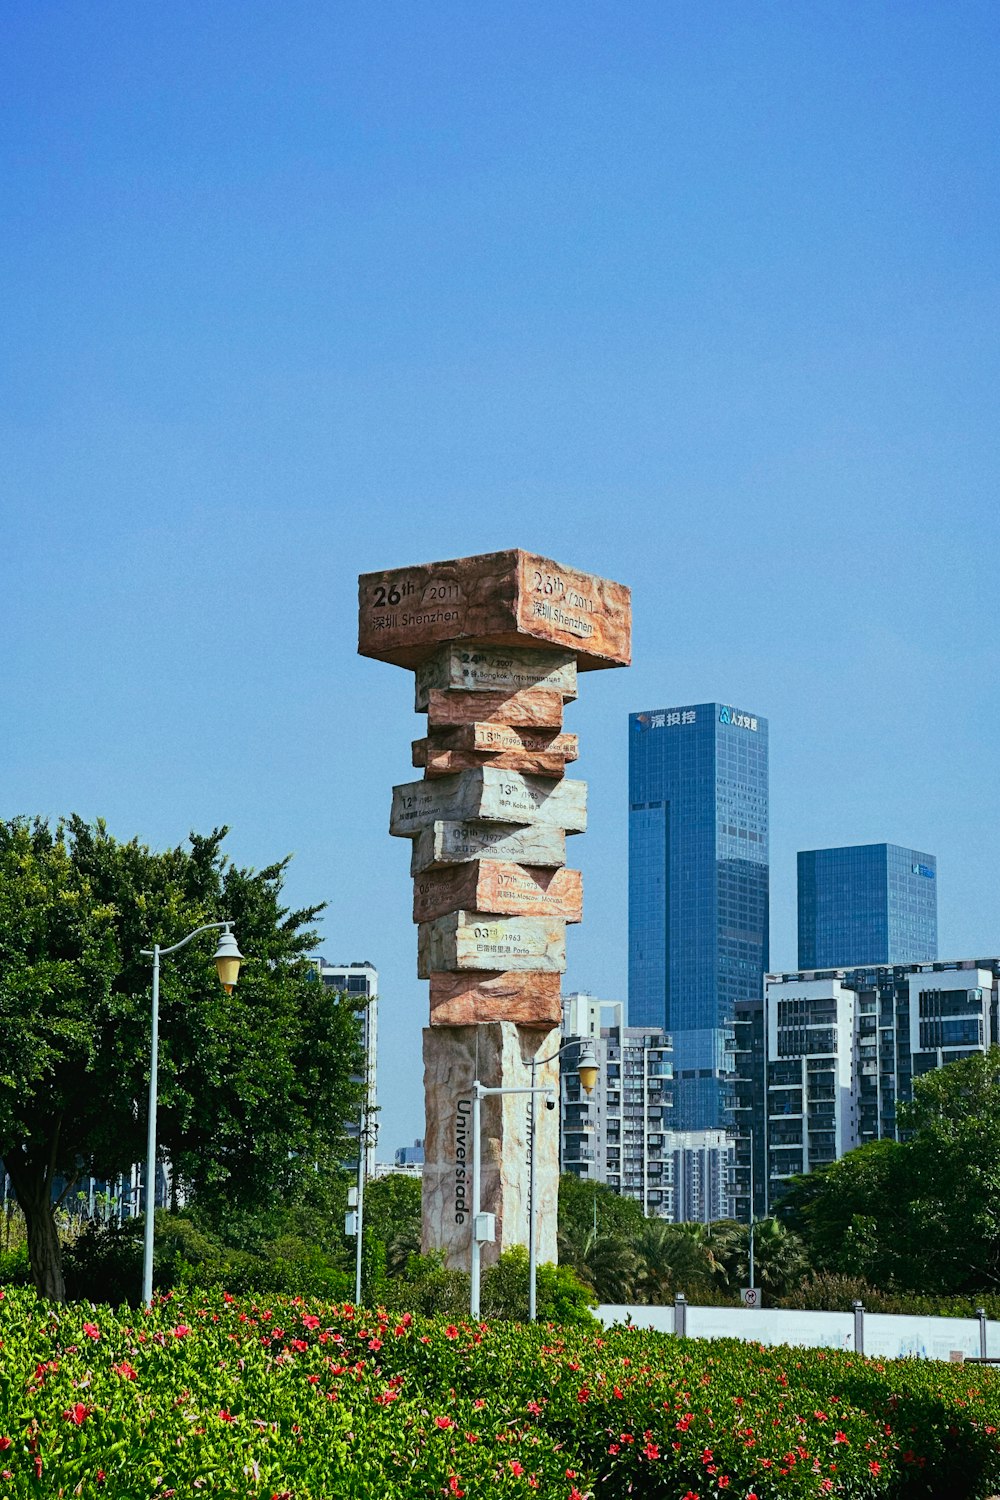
{"x": 841, "y": 1437}
{"x": 91, "y": 1330}
{"x": 516, "y": 1468}
{"x": 444, "y": 1423}
{"x": 309, "y": 1320}
{"x": 181, "y": 1331}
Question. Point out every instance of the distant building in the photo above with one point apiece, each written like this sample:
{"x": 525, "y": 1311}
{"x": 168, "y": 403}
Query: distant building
{"x": 867, "y": 904}
{"x": 842, "y": 1047}
{"x": 361, "y": 979}
{"x": 621, "y": 1134}
{"x": 410, "y": 1156}
{"x": 698, "y": 889}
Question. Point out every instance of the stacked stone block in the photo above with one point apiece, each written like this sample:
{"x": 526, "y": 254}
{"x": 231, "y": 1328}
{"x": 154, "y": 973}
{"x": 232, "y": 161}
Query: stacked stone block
{"x": 495, "y": 643}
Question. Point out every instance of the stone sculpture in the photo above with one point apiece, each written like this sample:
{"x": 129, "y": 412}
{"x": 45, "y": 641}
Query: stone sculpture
{"x": 496, "y": 643}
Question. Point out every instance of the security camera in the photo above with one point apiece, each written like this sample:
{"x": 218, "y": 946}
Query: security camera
{"x": 550, "y": 1104}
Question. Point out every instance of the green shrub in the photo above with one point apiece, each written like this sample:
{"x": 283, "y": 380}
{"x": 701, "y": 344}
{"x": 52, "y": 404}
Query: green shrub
{"x": 288, "y": 1398}
{"x": 15, "y": 1269}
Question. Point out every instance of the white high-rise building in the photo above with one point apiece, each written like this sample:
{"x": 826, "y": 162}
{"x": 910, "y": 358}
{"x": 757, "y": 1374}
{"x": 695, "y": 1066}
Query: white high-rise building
{"x": 843, "y": 1047}
{"x": 621, "y": 1134}
{"x": 361, "y": 979}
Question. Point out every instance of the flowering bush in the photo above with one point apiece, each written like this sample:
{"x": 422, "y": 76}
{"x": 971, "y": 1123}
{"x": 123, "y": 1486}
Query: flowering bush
{"x": 288, "y": 1399}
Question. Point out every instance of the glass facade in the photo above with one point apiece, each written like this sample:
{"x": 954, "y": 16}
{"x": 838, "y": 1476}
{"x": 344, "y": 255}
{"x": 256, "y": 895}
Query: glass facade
{"x": 698, "y": 889}
{"x": 870, "y": 904}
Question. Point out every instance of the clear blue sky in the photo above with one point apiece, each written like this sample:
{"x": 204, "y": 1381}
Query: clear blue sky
{"x": 701, "y": 296}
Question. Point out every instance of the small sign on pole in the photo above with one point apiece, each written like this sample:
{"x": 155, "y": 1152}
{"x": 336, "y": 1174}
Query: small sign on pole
{"x": 750, "y": 1296}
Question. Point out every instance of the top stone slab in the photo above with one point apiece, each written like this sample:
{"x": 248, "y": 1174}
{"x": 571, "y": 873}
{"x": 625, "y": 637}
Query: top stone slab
{"x": 500, "y": 599}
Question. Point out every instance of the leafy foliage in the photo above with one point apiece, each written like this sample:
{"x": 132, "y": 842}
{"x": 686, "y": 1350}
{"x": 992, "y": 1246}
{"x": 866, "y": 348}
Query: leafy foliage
{"x": 255, "y": 1088}
{"x": 921, "y": 1215}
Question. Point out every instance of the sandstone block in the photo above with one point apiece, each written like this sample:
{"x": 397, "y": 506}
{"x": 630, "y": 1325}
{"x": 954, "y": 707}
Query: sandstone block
{"x": 482, "y": 668}
{"x": 488, "y": 795}
{"x": 498, "y": 1054}
{"x": 447, "y": 843}
{"x": 474, "y": 998}
{"x": 531, "y": 763}
{"x": 512, "y": 598}
{"x": 499, "y": 887}
{"x": 534, "y": 708}
{"x": 496, "y": 739}
{"x": 466, "y": 940}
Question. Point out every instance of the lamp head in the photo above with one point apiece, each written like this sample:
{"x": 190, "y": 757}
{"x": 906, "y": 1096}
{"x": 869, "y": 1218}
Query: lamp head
{"x": 587, "y": 1067}
{"x": 227, "y": 960}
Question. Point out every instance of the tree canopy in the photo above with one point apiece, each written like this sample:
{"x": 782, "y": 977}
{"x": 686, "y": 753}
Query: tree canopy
{"x": 921, "y": 1214}
{"x": 255, "y": 1088}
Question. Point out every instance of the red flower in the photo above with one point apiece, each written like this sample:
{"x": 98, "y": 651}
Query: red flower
{"x": 651, "y": 1450}
{"x": 310, "y": 1320}
{"x": 226, "y": 1416}
{"x": 181, "y": 1331}
{"x": 453, "y": 1485}
{"x": 685, "y": 1422}
{"x": 91, "y": 1330}
{"x": 444, "y": 1423}
{"x": 583, "y": 1395}
{"x": 4, "y": 1444}
{"x": 841, "y": 1437}
{"x": 77, "y": 1414}
{"x": 125, "y": 1370}
{"x": 723, "y": 1481}
{"x": 516, "y": 1468}
{"x": 451, "y": 1332}
{"x": 874, "y": 1468}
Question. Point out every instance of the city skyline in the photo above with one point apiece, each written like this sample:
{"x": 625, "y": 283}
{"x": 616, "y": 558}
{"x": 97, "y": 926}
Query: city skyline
{"x": 700, "y": 299}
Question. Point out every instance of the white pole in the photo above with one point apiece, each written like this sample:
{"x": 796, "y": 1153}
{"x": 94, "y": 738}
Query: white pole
{"x": 751, "y": 1209}
{"x": 532, "y": 1148}
{"x": 476, "y": 1189}
{"x": 362, "y": 1128}
{"x": 147, "y": 1255}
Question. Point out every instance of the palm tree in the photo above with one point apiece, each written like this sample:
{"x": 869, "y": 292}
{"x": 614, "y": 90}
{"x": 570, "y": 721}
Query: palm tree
{"x": 722, "y": 1241}
{"x": 604, "y": 1262}
{"x": 780, "y": 1260}
{"x": 672, "y": 1260}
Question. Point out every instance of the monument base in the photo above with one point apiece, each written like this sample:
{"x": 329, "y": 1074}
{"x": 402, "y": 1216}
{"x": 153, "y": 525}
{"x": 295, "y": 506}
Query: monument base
{"x": 499, "y": 1055}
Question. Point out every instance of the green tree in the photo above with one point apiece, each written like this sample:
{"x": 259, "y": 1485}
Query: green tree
{"x": 952, "y": 1155}
{"x": 671, "y": 1260}
{"x": 854, "y": 1215}
{"x": 255, "y": 1088}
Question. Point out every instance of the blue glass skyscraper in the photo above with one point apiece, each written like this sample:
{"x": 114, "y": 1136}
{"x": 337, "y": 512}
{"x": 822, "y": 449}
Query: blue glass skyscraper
{"x": 870, "y": 904}
{"x": 698, "y": 888}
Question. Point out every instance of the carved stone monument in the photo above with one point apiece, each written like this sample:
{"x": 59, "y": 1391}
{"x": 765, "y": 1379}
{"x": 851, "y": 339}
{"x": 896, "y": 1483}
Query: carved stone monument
{"x": 495, "y": 643}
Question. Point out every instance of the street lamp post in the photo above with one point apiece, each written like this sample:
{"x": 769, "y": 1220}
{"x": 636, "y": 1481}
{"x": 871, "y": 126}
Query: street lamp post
{"x": 750, "y": 1238}
{"x": 479, "y": 1093}
{"x": 587, "y": 1070}
{"x": 227, "y": 963}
